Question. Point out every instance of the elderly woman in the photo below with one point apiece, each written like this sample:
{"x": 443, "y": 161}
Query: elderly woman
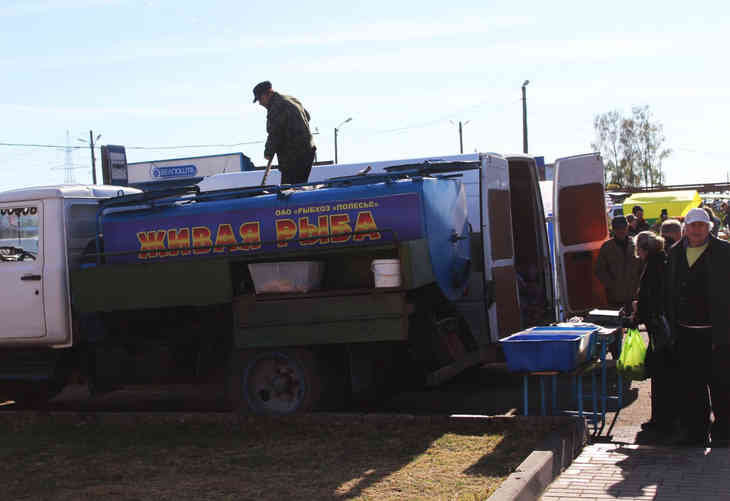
{"x": 649, "y": 310}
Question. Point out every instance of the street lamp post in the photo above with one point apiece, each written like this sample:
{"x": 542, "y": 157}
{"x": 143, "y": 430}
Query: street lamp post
{"x": 524, "y": 116}
{"x": 461, "y": 137}
{"x": 336, "y": 130}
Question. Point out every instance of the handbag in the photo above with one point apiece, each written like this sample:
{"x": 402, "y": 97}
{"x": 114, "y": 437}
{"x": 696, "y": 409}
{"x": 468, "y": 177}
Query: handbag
{"x": 631, "y": 362}
{"x": 660, "y": 334}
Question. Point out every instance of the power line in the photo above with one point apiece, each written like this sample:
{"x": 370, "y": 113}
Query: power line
{"x": 704, "y": 152}
{"x": 444, "y": 118}
{"x": 406, "y": 128}
{"x": 61, "y": 147}
{"x": 54, "y": 146}
{"x": 250, "y": 142}
{"x": 244, "y": 143}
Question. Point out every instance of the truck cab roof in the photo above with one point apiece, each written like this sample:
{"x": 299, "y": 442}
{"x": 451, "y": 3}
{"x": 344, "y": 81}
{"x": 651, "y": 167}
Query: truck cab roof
{"x": 65, "y": 191}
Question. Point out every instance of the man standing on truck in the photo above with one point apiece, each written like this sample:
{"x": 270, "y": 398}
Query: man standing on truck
{"x": 289, "y": 137}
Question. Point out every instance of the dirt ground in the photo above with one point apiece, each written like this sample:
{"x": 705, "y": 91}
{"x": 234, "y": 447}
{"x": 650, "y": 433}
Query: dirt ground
{"x": 259, "y": 460}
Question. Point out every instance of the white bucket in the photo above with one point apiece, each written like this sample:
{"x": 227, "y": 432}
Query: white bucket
{"x": 387, "y": 272}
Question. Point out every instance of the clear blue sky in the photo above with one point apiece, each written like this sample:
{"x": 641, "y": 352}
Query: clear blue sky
{"x": 148, "y": 73}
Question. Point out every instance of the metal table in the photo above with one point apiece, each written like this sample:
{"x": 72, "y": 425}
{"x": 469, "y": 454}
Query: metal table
{"x": 605, "y": 337}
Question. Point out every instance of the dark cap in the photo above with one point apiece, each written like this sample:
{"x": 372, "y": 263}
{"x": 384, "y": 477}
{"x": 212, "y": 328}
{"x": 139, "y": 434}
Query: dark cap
{"x": 619, "y": 222}
{"x": 261, "y": 88}
{"x": 636, "y": 209}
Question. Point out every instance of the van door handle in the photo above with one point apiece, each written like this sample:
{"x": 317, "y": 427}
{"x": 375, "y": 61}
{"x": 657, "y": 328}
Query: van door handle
{"x": 455, "y": 237}
{"x": 30, "y": 277}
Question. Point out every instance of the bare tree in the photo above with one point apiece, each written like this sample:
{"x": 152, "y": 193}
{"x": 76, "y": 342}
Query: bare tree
{"x": 632, "y": 147}
{"x": 649, "y": 138}
{"x": 629, "y": 161}
{"x": 608, "y": 130}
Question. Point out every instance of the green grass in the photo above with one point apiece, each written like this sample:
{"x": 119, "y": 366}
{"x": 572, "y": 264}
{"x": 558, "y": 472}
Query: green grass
{"x": 277, "y": 460}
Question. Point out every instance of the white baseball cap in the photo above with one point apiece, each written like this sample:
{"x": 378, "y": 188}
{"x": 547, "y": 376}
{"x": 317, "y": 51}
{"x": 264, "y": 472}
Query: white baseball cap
{"x": 697, "y": 215}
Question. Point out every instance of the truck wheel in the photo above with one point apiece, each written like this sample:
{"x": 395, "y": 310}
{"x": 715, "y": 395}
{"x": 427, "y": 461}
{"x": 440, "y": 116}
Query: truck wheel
{"x": 275, "y": 381}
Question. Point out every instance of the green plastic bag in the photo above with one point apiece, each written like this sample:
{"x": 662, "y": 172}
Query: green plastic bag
{"x": 633, "y": 355}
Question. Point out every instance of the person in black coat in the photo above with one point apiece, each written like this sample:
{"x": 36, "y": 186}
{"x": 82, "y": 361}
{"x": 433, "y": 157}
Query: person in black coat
{"x": 649, "y": 310}
{"x": 698, "y": 310}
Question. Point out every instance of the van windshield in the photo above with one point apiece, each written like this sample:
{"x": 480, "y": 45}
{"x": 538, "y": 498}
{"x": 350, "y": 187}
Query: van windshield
{"x": 19, "y": 233}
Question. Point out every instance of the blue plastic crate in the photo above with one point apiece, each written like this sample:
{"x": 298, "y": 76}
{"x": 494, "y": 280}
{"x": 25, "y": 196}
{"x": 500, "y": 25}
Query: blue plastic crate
{"x": 541, "y": 350}
{"x": 595, "y": 347}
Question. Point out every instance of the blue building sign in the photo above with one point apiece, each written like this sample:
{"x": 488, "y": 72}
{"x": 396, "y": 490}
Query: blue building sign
{"x": 173, "y": 171}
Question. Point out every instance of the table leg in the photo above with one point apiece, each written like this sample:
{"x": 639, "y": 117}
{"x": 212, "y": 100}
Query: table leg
{"x": 620, "y": 391}
{"x": 620, "y": 377}
{"x": 555, "y": 394}
{"x": 580, "y": 396}
{"x": 524, "y": 392}
{"x": 604, "y": 390}
{"x": 594, "y": 389}
{"x": 542, "y": 395}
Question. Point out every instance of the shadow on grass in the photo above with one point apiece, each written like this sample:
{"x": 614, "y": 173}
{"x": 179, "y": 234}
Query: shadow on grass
{"x": 498, "y": 392}
{"x": 261, "y": 460}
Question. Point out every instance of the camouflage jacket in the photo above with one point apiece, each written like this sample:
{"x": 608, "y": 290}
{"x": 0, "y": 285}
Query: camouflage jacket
{"x": 287, "y": 124}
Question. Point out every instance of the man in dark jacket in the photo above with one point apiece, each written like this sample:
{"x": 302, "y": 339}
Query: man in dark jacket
{"x": 698, "y": 309}
{"x": 617, "y": 266}
{"x": 289, "y": 137}
{"x": 641, "y": 225}
{"x": 671, "y": 231}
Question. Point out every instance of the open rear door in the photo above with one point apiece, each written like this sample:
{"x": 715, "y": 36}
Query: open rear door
{"x": 581, "y": 227}
{"x": 498, "y": 248}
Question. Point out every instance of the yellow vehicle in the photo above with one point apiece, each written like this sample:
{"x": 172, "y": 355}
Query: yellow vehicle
{"x": 677, "y": 203}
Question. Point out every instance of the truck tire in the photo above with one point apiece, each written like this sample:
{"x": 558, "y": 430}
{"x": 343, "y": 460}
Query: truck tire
{"x": 274, "y": 382}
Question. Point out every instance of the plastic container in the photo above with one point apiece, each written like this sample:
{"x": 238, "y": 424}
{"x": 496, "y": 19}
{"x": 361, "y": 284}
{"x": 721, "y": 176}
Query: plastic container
{"x": 593, "y": 350}
{"x": 536, "y": 351}
{"x": 286, "y": 276}
{"x": 386, "y": 272}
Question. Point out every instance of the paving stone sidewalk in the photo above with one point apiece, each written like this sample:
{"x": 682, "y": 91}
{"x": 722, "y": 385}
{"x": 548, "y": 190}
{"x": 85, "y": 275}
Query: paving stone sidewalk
{"x": 643, "y": 472}
{"x": 617, "y": 465}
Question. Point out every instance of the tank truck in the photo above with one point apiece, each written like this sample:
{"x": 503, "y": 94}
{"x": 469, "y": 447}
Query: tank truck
{"x": 369, "y": 277}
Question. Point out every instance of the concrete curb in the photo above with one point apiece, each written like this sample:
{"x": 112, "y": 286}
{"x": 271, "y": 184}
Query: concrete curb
{"x": 544, "y": 464}
{"x": 232, "y": 418}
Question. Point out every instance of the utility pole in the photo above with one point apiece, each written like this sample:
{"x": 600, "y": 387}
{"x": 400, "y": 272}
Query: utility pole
{"x": 524, "y": 116}
{"x": 461, "y": 139}
{"x": 93, "y": 158}
{"x": 461, "y": 135}
{"x": 335, "y": 145}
